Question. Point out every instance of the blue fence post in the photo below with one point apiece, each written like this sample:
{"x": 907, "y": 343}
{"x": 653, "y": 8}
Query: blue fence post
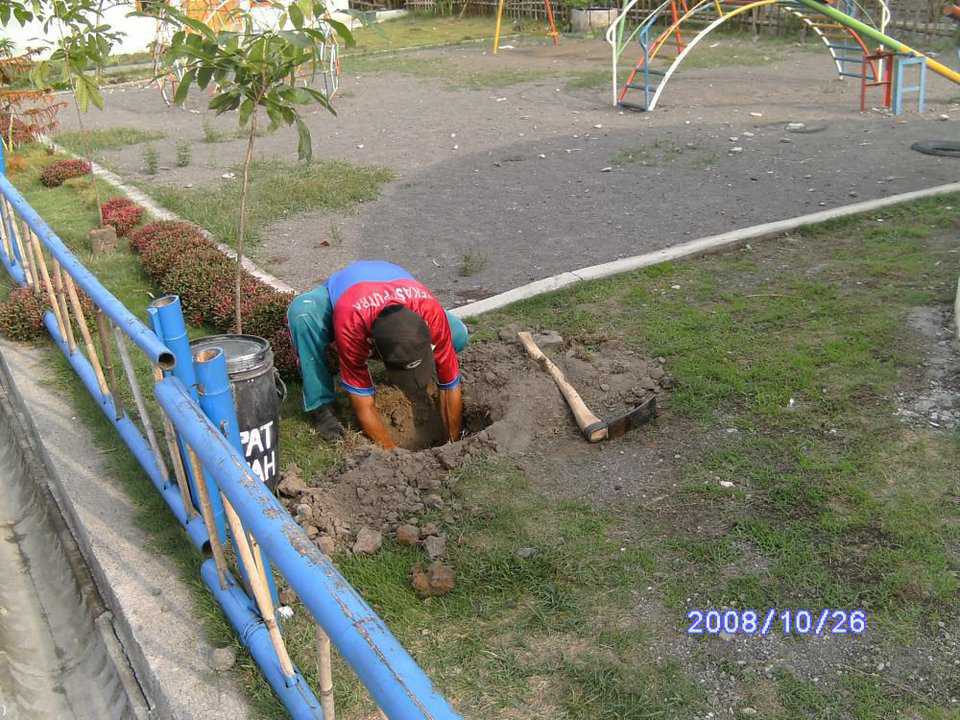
{"x": 216, "y": 400}
{"x": 3, "y": 159}
{"x": 166, "y": 315}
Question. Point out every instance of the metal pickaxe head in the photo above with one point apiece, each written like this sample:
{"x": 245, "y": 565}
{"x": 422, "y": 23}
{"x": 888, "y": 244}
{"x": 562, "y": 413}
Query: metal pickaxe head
{"x": 639, "y": 415}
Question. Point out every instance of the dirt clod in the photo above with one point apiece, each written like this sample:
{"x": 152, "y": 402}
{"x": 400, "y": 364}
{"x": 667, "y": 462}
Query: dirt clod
{"x": 288, "y": 596}
{"x": 435, "y": 546}
{"x": 429, "y": 529}
{"x": 223, "y": 658}
{"x": 408, "y": 534}
{"x": 368, "y": 541}
{"x": 326, "y": 544}
{"x": 437, "y": 579}
{"x": 291, "y": 485}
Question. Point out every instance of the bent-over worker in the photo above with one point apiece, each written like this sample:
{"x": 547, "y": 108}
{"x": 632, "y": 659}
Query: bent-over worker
{"x": 369, "y": 309}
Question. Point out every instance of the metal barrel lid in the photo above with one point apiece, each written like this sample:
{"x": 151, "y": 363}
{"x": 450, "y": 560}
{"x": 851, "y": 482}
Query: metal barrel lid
{"x": 243, "y": 353}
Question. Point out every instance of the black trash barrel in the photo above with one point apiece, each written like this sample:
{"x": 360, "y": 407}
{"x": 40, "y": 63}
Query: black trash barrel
{"x": 257, "y": 392}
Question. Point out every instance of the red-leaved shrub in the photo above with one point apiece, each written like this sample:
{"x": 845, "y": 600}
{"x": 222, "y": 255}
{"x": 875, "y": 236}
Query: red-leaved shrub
{"x": 181, "y": 261}
{"x": 21, "y": 315}
{"x": 122, "y": 213}
{"x": 55, "y": 173}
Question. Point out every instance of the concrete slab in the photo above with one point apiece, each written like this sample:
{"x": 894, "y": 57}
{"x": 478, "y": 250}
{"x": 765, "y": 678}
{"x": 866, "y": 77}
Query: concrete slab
{"x": 153, "y": 612}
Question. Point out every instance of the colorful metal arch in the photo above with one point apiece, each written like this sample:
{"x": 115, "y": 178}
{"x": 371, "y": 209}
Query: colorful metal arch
{"x": 615, "y": 37}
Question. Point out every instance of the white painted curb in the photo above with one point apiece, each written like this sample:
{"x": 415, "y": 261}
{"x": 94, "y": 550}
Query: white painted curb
{"x": 696, "y": 247}
{"x": 161, "y": 213}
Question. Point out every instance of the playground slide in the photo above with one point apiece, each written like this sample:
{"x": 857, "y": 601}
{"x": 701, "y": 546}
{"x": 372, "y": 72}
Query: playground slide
{"x": 868, "y": 32}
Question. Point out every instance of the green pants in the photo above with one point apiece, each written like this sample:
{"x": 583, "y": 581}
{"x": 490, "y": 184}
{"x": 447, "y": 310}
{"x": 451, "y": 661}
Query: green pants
{"x": 310, "y": 317}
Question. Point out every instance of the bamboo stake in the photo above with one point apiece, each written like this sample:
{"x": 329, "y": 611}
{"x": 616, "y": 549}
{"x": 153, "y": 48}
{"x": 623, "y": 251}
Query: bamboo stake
{"x": 171, "y": 437}
{"x": 32, "y": 262}
{"x": 325, "y": 670}
{"x": 18, "y": 241}
{"x": 7, "y": 215}
{"x": 51, "y": 296}
{"x": 138, "y": 401}
{"x": 61, "y": 296}
{"x": 92, "y": 354}
{"x": 258, "y": 583}
{"x": 103, "y": 332}
{"x": 207, "y": 511}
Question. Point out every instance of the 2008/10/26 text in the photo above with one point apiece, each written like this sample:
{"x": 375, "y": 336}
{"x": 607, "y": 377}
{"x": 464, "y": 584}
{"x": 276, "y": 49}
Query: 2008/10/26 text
{"x": 827, "y": 621}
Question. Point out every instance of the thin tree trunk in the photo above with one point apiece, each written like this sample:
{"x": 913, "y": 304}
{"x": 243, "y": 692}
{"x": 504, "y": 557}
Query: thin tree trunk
{"x": 243, "y": 215}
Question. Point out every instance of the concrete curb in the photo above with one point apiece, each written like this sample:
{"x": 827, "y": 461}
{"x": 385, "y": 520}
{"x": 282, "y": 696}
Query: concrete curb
{"x": 956, "y": 309}
{"x": 161, "y": 213}
{"x": 711, "y": 243}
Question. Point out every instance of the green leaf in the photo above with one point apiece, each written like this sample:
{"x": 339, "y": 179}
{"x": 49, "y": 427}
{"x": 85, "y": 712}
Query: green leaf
{"x": 5, "y": 14}
{"x": 80, "y": 95}
{"x": 184, "y": 87}
{"x": 246, "y": 110}
{"x": 296, "y": 16}
{"x": 203, "y": 76}
{"x": 305, "y": 145}
{"x": 342, "y": 30}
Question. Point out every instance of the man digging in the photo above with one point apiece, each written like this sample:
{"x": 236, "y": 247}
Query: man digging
{"x": 373, "y": 308}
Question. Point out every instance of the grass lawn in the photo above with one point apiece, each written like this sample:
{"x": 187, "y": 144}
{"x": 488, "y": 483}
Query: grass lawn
{"x": 788, "y": 359}
{"x": 94, "y": 141}
{"x": 420, "y": 30}
{"x": 277, "y": 190}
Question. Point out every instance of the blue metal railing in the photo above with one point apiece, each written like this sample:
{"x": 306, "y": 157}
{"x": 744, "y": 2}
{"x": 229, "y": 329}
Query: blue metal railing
{"x": 395, "y": 681}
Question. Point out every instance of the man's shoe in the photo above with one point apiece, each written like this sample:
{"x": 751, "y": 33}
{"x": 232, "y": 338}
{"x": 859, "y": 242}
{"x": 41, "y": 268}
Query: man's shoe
{"x": 327, "y": 424}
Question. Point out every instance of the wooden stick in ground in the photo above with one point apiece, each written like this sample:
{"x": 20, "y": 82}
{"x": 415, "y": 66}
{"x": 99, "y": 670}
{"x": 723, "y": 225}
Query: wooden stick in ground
{"x": 103, "y": 331}
{"x": 325, "y": 670}
{"x": 92, "y": 354}
{"x": 32, "y": 262}
{"x": 258, "y": 584}
{"x": 131, "y": 374}
{"x": 18, "y": 242}
{"x": 171, "y": 437}
{"x": 206, "y": 510}
{"x": 51, "y": 295}
{"x": 64, "y": 310}
{"x": 7, "y": 215}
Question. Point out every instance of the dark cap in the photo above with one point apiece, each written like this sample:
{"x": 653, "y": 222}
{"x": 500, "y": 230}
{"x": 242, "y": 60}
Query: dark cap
{"x": 402, "y": 340}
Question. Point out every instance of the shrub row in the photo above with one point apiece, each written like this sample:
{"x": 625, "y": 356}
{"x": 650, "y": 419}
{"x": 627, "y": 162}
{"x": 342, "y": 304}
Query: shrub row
{"x": 181, "y": 261}
{"x": 122, "y": 213}
{"x": 21, "y": 315}
{"x": 54, "y": 174}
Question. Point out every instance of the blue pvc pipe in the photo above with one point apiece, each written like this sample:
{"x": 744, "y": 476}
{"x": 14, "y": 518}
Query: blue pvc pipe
{"x": 166, "y": 314}
{"x": 130, "y": 434}
{"x": 295, "y": 692}
{"x": 216, "y": 400}
{"x": 128, "y": 323}
{"x": 393, "y": 678}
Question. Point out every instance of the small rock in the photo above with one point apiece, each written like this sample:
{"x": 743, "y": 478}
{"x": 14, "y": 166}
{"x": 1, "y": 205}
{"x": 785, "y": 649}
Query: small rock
{"x": 943, "y": 117}
{"x": 726, "y": 636}
{"x": 605, "y": 387}
{"x": 222, "y": 659}
{"x": 433, "y": 501}
{"x": 726, "y": 484}
{"x": 509, "y": 333}
{"x": 526, "y": 552}
{"x": 228, "y": 176}
{"x": 303, "y": 513}
{"x": 368, "y": 541}
{"x": 429, "y": 529}
{"x": 736, "y": 149}
{"x": 326, "y": 544}
{"x": 288, "y": 596}
{"x": 786, "y": 141}
{"x": 747, "y": 133}
{"x": 548, "y": 338}
{"x": 103, "y": 239}
{"x": 796, "y": 126}
{"x": 748, "y": 712}
{"x": 312, "y": 531}
{"x": 436, "y": 546}
{"x": 408, "y": 534}
{"x": 756, "y": 114}
{"x": 607, "y": 169}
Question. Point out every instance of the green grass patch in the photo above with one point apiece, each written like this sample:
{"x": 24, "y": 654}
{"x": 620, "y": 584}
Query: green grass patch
{"x": 420, "y": 30}
{"x": 277, "y": 190}
{"x": 443, "y": 69}
{"x": 95, "y": 141}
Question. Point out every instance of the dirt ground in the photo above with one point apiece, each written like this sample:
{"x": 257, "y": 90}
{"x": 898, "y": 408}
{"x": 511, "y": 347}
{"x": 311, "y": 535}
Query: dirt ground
{"x": 535, "y": 178}
{"x": 381, "y": 490}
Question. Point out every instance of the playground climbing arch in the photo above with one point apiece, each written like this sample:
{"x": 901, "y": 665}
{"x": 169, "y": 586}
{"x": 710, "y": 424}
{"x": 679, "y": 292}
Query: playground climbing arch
{"x": 846, "y": 35}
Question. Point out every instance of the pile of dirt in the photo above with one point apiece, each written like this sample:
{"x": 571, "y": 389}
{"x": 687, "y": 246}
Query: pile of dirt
{"x": 510, "y": 403}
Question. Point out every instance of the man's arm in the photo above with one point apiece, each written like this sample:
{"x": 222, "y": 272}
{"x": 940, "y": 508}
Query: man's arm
{"x": 370, "y": 421}
{"x": 451, "y": 410}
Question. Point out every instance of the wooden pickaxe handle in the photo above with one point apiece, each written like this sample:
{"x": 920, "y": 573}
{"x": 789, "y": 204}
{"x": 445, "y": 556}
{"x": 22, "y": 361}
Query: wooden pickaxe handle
{"x": 593, "y": 428}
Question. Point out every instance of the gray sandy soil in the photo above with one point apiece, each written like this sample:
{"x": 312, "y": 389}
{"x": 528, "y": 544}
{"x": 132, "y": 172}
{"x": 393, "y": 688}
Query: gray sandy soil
{"x": 534, "y": 178}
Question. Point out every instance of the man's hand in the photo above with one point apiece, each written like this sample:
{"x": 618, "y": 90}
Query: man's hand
{"x": 451, "y": 410}
{"x": 370, "y": 421}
